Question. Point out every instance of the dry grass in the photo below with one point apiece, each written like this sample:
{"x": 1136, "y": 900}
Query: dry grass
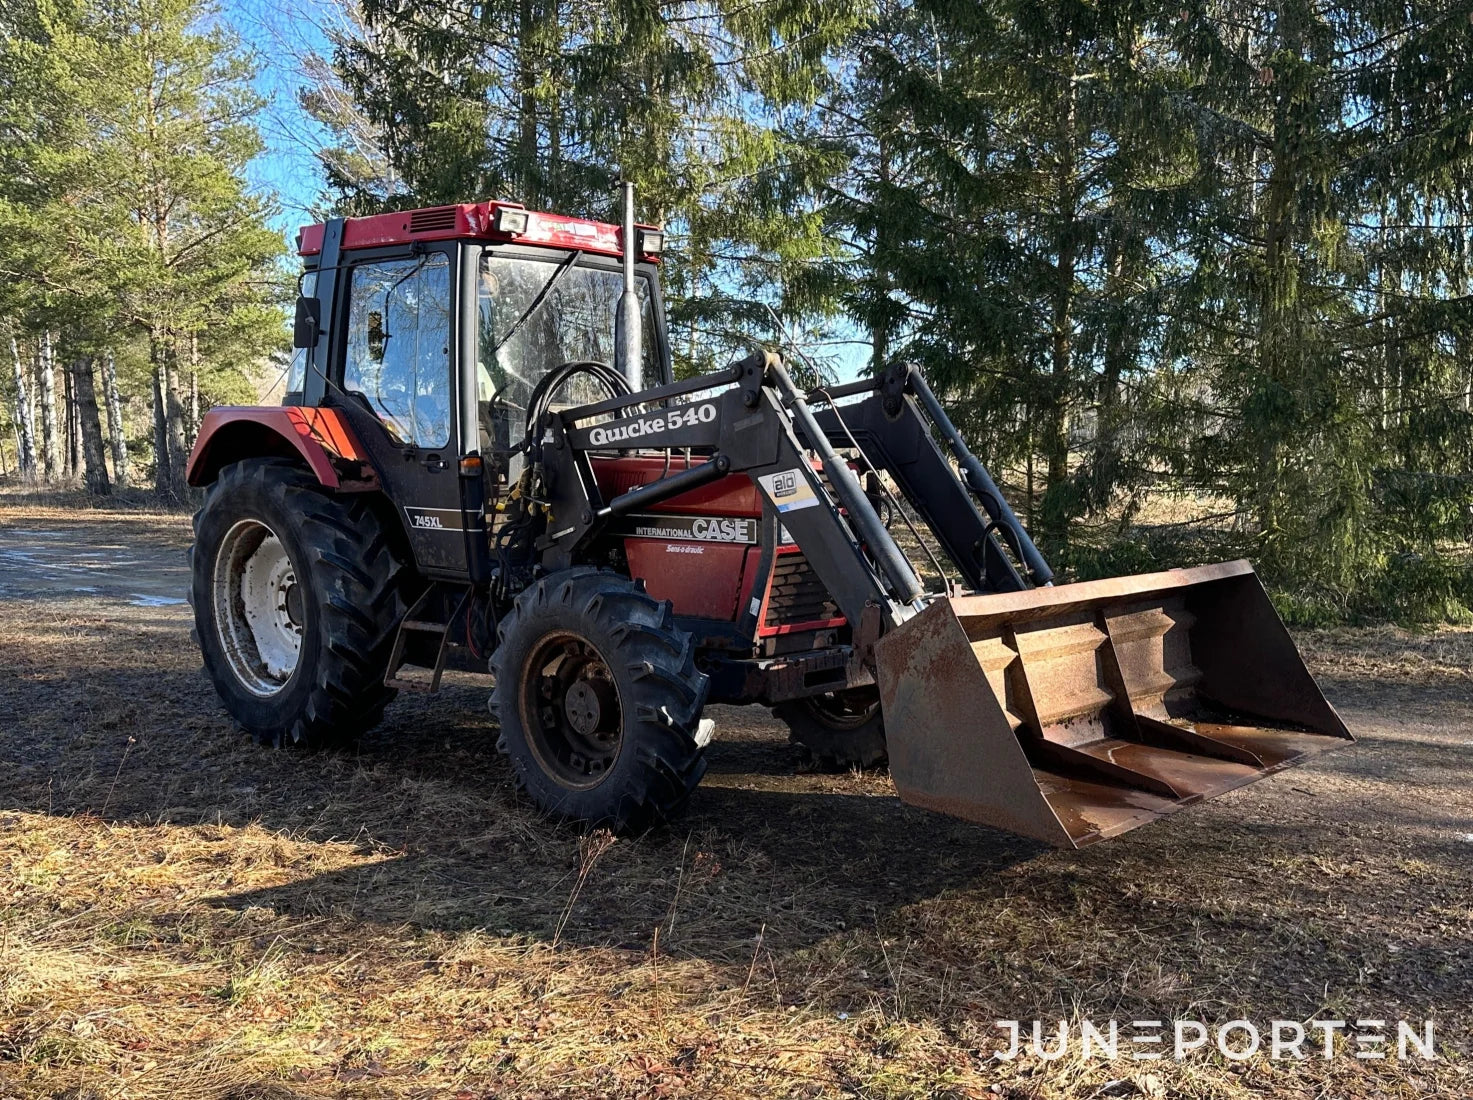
{"x": 185, "y": 915}
{"x": 1440, "y": 657}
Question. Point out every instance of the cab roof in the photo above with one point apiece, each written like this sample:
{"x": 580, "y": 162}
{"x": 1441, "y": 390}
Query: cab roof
{"x": 474, "y": 220}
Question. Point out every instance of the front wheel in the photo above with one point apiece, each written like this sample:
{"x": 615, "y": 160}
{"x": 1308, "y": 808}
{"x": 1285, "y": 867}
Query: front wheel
{"x": 838, "y": 730}
{"x": 599, "y": 701}
{"x": 296, "y": 597}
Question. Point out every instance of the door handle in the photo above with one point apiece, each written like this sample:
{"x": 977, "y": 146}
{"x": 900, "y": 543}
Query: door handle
{"x": 434, "y": 463}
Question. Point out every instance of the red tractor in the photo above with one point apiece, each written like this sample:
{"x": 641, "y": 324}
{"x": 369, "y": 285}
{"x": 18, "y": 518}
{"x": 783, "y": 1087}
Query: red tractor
{"x": 484, "y": 460}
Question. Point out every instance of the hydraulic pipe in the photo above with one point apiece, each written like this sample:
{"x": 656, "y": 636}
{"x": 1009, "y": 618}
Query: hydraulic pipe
{"x": 652, "y": 493}
{"x": 981, "y": 483}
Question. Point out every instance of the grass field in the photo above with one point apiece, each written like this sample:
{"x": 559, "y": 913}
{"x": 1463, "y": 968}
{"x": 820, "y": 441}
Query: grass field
{"x": 184, "y": 914}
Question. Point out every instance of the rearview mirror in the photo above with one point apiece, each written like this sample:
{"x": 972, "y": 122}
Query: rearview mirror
{"x": 308, "y": 324}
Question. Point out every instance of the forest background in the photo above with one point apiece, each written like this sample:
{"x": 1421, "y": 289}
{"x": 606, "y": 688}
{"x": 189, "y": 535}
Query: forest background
{"x": 1193, "y": 276}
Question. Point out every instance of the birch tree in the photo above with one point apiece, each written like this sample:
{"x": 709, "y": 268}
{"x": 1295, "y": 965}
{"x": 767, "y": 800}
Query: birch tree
{"x": 24, "y": 423}
{"x": 46, "y": 385}
{"x": 116, "y": 432}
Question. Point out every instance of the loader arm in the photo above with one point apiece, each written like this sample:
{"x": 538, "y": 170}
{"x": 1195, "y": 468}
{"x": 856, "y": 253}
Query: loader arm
{"x": 763, "y": 426}
{"x": 895, "y": 428}
{"x": 752, "y": 426}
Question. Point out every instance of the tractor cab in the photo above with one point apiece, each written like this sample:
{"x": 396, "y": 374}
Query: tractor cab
{"x": 431, "y": 331}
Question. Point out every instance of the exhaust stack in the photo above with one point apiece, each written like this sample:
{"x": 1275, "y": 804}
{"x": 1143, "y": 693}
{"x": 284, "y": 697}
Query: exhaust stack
{"x": 628, "y": 336}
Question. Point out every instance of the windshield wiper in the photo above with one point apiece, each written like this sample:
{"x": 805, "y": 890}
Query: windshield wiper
{"x": 547, "y": 288}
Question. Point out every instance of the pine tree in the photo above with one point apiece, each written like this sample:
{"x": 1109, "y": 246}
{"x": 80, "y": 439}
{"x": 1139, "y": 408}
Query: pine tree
{"x": 137, "y": 113}
{"x": 1329, "y": 254}
{"x": 89, "y": 427}
{"x": 199, "y": 240}
{"x": 1016, "y": 166}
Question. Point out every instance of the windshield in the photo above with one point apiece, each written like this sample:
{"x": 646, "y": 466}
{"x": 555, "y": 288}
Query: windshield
{"x": 574, "y": 321}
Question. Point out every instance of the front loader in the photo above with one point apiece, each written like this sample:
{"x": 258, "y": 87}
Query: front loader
{"x": 484, "y": 463}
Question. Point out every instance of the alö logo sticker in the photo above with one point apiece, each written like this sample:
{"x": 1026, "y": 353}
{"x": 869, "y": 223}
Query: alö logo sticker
{"x": 788, "y": 490}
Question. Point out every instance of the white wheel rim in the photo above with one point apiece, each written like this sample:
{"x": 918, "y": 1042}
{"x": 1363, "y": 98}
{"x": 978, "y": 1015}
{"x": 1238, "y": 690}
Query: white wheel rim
{"x": 259, "y": 608}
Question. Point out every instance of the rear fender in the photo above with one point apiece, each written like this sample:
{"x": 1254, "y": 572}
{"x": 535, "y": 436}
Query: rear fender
{"x": 320, "y": 438}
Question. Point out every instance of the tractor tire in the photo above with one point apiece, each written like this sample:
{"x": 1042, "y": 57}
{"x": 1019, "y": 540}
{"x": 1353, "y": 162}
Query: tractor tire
{"x": 837, "y": 731}
{"x": 297, "y": 596}
{"x": 599, "y": 701}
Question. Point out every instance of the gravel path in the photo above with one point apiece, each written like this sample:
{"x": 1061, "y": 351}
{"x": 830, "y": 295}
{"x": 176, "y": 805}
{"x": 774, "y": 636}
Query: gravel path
{"x": 52, "y": 564}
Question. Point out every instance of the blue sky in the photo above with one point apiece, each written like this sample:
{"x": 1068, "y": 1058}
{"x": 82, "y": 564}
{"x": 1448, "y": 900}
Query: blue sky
{"x": 280, "y": 33}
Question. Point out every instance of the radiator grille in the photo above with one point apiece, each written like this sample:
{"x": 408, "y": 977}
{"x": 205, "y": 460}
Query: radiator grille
{"x": 797, "y": 595}
{"x": 439, "y": 217}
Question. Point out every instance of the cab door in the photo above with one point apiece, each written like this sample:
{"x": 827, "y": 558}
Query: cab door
{"x": 396, "y": 379}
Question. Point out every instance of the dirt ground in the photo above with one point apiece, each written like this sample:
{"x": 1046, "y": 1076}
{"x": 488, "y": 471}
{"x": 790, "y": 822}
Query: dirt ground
{"x": 184, "y": 914}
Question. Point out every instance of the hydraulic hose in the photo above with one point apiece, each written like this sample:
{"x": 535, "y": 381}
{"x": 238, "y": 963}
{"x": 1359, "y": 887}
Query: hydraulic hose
{"x": 980, "y": 482}
{"x": 893, "y": 564}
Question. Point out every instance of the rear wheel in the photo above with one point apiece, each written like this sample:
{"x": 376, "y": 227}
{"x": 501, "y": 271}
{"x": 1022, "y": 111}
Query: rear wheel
{"x": 838, "y": 730}
{"x": 599, "y": 701}
{"x": 296, "y": 598}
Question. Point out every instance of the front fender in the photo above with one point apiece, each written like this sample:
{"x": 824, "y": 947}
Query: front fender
{"x": 321, "y": 438}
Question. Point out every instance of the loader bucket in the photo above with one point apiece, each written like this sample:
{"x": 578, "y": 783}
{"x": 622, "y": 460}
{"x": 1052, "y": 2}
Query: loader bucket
{"x": 1071, "y": 714}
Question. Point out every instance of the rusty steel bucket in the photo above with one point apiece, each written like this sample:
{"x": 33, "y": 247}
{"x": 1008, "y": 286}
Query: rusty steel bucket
{"x": 1074, "y": 713}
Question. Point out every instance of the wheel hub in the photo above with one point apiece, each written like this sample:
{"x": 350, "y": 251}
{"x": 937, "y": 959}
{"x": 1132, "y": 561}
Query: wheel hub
{"x": 293, "y": 605}
{"x": 586, "y": 702}
{"x": 259, "y": 607}
{"x": 572, "y": 710}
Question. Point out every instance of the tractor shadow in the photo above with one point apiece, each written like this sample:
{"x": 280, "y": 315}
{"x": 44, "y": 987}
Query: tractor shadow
{"x": 447, "y": 841}
{"x": 761, "y": 849}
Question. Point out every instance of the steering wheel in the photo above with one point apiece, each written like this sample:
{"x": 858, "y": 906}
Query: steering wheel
{"x": 495, "y": 412}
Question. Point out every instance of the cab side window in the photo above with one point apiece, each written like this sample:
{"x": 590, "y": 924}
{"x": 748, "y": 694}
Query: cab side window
{"x": 398, "y": 347}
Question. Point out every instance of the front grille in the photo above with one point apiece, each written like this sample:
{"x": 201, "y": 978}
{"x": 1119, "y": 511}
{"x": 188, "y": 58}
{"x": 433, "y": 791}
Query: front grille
{"x": 438, "y": 217}
{"x": 797, "y": 595}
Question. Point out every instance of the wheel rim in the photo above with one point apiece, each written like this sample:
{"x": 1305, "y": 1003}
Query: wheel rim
{"x": 571, "y": 710}
{"x": 259, "y": 612}
{"x": 843, "y": 710}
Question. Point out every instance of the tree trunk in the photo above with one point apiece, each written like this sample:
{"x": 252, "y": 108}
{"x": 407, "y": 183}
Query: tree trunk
{"x": 879, "y": 310}
{"x": 1272, "y": 347}
{"x": 193, "y": 425}
{"x": 1120, "y": 353}
{"x": 1060, "y": 387}
{"x": 25, "y": 438}
{"x": 89, "y": 427}
{"x": 115, "y": 429}
{"x": 527, "y": 100}
{"x": 160, "y": 436}
{"x": 178, "y": 443}
{"x": 50, "y": 443}
{"x": 72, "y": 435}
